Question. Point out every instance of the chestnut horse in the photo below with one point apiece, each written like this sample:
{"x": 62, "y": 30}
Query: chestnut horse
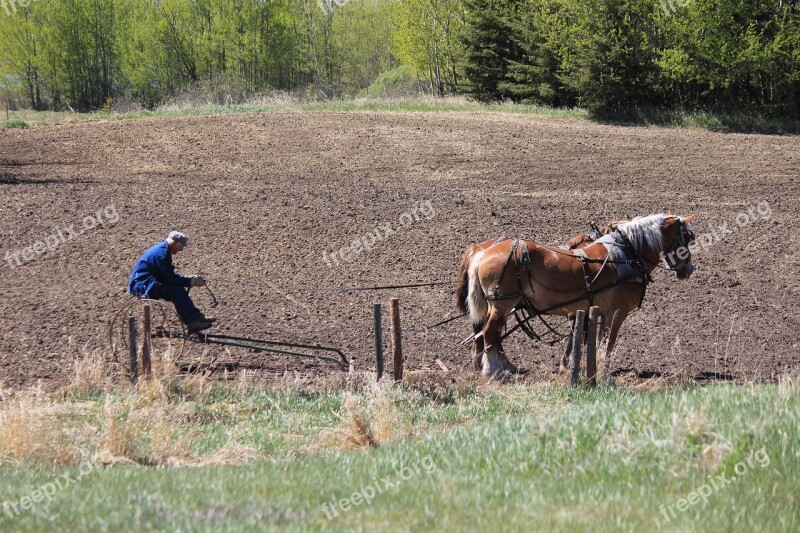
{"x": 514, "y": 273}
{"x": 579, "y": 241}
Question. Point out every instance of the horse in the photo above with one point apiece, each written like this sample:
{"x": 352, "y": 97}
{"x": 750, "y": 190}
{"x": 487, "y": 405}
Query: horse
{"x": 611, "y": 273}
{"x": 578, "y": 241}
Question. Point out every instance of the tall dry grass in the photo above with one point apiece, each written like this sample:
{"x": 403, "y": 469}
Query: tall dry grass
{"x": 105, "y": 419}
{"x": 143, "y": 424}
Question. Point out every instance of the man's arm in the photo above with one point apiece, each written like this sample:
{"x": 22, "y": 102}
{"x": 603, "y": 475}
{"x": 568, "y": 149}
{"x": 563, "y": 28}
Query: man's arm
{"x": 167, "y": 273}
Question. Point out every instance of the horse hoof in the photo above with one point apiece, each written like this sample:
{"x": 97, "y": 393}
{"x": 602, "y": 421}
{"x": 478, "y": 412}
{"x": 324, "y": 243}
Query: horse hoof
{"x": 501, "y": 376}
{"x": 511, "y": 368}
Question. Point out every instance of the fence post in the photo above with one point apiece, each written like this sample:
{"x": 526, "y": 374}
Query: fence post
{"x": 133, "y": 358}
{"x": 577, "y": 342}
{"x": 376, "y": 313}
{"x": 146, "y": 362}
{"x": 397, "y": 339}
{"x": 591, "y": 346}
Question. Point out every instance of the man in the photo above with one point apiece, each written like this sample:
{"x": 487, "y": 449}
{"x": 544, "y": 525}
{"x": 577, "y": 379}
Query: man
{"x": 154, "y": 277}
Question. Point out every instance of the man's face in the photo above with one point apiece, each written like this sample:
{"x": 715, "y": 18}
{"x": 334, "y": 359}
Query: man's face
{"x": 175, "y": 247}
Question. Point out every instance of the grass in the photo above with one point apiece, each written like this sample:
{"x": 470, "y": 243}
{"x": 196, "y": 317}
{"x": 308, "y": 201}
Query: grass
{"x": 725, "y": 122}
{"x": 674, "y": 119}
{"x": 433, "y": 455}
{"x": 11, "y": 124}
{"x": 339, "y": 106}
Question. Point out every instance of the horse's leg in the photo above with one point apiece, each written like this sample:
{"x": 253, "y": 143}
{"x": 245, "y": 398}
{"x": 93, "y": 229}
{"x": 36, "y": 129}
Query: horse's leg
{"x": 568, "y": 348}
{"x": 477, "y": 346}
{"x": 601, "y": 329}
{"x": 613, "y": 331}
{"x": 505, "y": 364}
{"x": 492, "y": 332}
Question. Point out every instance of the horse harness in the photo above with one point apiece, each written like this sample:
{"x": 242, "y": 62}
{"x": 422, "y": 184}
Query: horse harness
{"x": 522, "y": 266}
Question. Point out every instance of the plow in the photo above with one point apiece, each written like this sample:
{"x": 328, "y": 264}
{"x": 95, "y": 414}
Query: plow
{"x": 161, "y": 331}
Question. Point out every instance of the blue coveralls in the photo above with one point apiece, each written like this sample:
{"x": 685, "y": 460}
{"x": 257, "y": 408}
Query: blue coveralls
{"x": 154, "y": 277}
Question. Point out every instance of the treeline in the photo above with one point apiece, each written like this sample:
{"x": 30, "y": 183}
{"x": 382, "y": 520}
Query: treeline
{"x": 613, "y": 55}
{"x": 80, "y": 53}
{"x": 605, "y": 55}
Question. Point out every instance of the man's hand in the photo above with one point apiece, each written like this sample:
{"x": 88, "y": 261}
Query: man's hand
{"x": 198, "y": 281}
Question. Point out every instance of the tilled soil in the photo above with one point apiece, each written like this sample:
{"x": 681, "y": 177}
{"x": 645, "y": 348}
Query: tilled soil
{"x": 268, "y": 199}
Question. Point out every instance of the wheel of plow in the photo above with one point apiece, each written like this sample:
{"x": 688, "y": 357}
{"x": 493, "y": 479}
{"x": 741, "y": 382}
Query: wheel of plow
{"x": 167, "y": 332}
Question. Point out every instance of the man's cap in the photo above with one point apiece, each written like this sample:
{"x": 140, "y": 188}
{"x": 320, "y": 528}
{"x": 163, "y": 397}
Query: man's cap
{"x": 177, "y": 236}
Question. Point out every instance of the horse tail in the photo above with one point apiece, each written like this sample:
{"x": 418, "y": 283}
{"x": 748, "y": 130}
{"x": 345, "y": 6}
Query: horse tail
{"x": 476, "y": 300}
{"x": 462, "y": 290}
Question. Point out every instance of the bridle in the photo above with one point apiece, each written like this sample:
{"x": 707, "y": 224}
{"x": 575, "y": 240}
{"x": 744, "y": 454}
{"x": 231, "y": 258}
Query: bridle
{"x": 684, "y": 239}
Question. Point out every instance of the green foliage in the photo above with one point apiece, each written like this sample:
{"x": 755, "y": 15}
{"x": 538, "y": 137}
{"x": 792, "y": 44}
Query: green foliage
{"x": 544, "y": 33}
{"x": 361, "y": 44}
{"x": 79, "y": 53}
{"x": 612, "y": 56}
{"x": 399, "y": 82}
{"x": 739, "y": 55}
{"x": 427, "y": 37}
{"x": 491, "y": 50}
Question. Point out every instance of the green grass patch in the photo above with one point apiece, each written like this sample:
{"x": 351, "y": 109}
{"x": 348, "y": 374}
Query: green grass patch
{"x": 343, "y": 106}
{"x": 712, "y": 121}
{"x": 542, "y": 458}
{"x": 15, "y": 123}
{"x": 723, "y": 122}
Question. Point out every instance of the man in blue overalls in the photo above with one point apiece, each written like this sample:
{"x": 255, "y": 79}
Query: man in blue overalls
{"x": 154, "y": 277}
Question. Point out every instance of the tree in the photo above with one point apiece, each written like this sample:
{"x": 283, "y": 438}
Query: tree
{"x": 614, "y": 65}
{"x": 427, "y": 37}
{"x": 491, "y": 48}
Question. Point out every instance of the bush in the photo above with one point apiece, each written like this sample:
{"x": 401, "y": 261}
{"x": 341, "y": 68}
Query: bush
{"x": 16, "y": 123}
{"x": 399, "y": 82}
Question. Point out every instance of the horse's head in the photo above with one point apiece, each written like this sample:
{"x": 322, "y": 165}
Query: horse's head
{"x": 678, "y": 256}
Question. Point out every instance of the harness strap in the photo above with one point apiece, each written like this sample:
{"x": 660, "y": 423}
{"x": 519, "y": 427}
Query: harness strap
{"x": 636, "y": 255}
{"x": 584, "y": 267}
{"x": 585, "y": 260}
{"x": 525, "y": 259}
{"x": 608, "y": 255}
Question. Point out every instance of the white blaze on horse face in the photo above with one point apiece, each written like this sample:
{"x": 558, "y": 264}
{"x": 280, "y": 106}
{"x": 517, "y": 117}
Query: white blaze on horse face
{"x": 476, "y": 301}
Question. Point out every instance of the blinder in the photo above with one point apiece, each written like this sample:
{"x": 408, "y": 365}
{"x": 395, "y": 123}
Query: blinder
{"x": 679, "y": 255}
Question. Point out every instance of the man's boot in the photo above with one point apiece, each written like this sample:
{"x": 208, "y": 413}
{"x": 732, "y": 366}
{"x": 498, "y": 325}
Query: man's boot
{"x": 205, "y": 318}
{"x": 198, "y": 325}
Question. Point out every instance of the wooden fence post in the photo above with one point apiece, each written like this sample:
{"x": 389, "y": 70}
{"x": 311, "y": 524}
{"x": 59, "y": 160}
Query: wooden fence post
{"x": 397, "y": 339}
{"x": 132, "y": 349}
{"x": 376, "y": 313}
{"x": 146, "y": 360}
{"x": 591, "y": 346}
{"x": 577, "y": 342}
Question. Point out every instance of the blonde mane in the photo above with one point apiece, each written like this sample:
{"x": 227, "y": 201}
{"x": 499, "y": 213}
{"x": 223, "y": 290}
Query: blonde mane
{"x": 645, "y": 231}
